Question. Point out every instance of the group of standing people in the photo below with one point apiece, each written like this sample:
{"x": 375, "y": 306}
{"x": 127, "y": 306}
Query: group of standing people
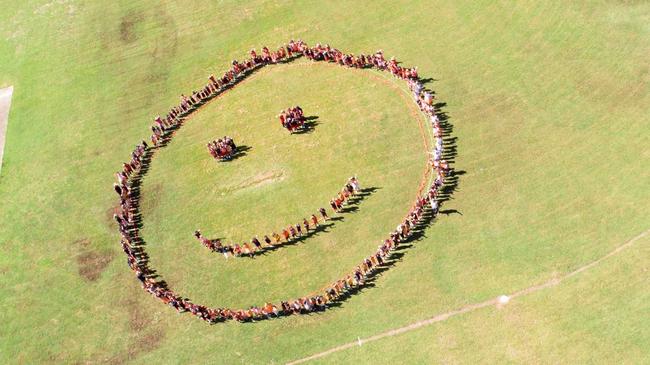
{"x": 350, "y": 188}
{"x": 122, "y": 187}
{"x": 287, "y": 235}
{"x": 292, "y": 118}
{"x": 440, "y": 167}
{"x": 125, "y": 218}
{"x": 222, "y": 149}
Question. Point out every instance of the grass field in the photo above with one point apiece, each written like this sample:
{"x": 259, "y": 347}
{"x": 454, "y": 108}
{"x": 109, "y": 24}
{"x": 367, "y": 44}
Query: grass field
{"x": 549, "y": 102}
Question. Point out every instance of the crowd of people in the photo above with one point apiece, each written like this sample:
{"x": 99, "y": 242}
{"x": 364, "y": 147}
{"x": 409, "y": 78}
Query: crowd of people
{"x": 288, "y": 235}
{"x": 162, "y": 128}
{"x": 292, "y": 119}
{"x": 222, "y": 149}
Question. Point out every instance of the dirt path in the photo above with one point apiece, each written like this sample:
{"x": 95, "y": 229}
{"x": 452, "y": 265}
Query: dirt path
{"x": 472, "y": 307}
{"x": 5, "y": 102}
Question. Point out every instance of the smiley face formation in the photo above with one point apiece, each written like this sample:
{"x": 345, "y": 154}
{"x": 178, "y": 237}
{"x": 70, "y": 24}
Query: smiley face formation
{"x": 424, "y": 208}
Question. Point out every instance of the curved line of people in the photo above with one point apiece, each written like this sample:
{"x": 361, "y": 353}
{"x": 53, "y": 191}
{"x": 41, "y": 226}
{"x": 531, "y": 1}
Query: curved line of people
{"x": 335, "y": 291}
{"x": 289, "y": 234}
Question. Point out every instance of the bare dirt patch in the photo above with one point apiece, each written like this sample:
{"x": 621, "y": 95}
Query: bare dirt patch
{"x": 149, "y": 341}
{"x": 82, "y": 242}
{"x": 108, "y": 216}
{"x": 127, "y": 27}
{"x": 151, "y": 198}
{"x": 91, "y": 263}
{"x": 138, "y": 319}
{"x": 141, "y": 344}
{"x": 258, "y": 180}
{"x": 145, "y": 336}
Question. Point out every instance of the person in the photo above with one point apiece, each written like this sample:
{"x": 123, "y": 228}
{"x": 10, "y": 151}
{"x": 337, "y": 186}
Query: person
{"x": 118, "y": 189}
{"x": 349, "y": 190}
{"x": 247, "y": 249}
{"x": 200, "y": 237}
{"x": 237, "y": 249}
{"x": 355, "y": 183}
{"x": 338, "y": 203}
{"x": 212, "y": 151}
{"x": 323, "y": 213}
{"x": 257, "y": 243}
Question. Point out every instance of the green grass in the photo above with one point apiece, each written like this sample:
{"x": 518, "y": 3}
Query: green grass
{"x": 591, "y": 318}
{"x": 549, "y": 101}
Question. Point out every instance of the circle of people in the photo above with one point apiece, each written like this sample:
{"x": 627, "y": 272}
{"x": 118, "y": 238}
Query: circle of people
{"x": 335, "y": 291}
{"x": 222, "y": 149}
{"x": 292, "y": 118}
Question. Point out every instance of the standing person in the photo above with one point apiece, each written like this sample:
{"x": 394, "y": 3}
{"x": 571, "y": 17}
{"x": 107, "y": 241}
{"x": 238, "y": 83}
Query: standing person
{"x": 323, "y": 213}
{"x": 314, "y": 220}
{"x": 217, "y": 245}
{"x": 257, "y": 243}
{"x": 434, "y": 206}
{"x": 305, "y": 223}
{"x": 237, "y": 249}
{"x": 247, "y": 249}
{"x": 299, "y": 229}
{"x": 341, "y": 197}
{"x": 267, "y": 240}
{"x": 355, "y": 183}
{"x": 118, "y": 189}
{"x": 349, "y": 190}
{"x": 339, "y": 204}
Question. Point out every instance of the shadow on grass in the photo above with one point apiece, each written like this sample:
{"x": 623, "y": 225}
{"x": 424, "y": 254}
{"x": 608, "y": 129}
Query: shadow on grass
{"x": 308, "y": 127}
{"x": 241, "y": 151}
